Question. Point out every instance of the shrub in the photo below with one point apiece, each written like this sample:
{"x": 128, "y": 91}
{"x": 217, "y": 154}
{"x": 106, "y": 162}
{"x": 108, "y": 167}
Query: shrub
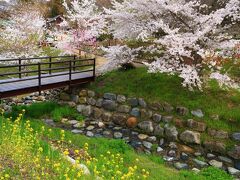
{"x": 36, "y": 110}
{"x": 46, "y": 109}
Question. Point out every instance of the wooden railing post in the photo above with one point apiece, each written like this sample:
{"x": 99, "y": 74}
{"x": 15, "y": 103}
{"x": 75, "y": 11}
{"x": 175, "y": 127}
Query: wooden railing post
{"x": 39, "y": 78}
{"x": 20, "y": 68}
{"x": 94, "y": 67}
{"x": 70, "y": 72}
{"x": 50, "y": 65}
{"x": 74, "y": 63}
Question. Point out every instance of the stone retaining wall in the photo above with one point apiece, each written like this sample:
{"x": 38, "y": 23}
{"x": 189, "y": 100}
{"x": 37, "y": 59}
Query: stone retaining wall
{"x": 156, "y": 119}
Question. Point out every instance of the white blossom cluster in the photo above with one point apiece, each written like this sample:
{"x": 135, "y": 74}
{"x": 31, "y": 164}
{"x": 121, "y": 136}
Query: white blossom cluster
{"x": 224, "y": 80}
{"x": 85, "y": 15}
{"x": 123, "y": 54}
{"x": 22, "y": 35}
{"x": 181, "y": 27}
{"x": 85, "y": 23}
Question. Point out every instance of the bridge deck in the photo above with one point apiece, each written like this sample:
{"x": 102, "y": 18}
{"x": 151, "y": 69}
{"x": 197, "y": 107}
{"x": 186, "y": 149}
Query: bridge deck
{"x": 45, "y": 80}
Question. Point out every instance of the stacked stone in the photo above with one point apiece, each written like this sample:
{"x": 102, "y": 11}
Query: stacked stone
{"x": 51, "y": 95}
{"x": 153, "y": 127}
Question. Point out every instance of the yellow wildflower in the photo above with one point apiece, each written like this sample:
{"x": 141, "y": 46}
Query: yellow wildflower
{"x": 66, "y": 152}
{"x": 7, "y": 176}
{"x": 40, "y": 149}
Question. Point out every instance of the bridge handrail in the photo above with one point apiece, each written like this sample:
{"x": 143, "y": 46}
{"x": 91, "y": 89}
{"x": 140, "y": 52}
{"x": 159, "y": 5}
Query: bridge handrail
{"x": 71, "y": 66}
{"x": 32, "y": 58}
{"x": 50, "y": 63}
{"x": 35, "y": 64}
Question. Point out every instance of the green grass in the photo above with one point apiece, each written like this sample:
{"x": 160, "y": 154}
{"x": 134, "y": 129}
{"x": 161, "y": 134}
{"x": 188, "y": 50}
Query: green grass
{"x": 50, "y": 51}
{"x": 36, "y": 110}
{"x": 47, "y": 110}
{"x": 161, "y": 87}
{"x": 66, "y": 112}
{"x": 200, "y": 158}
{"x": 207, "y": 173}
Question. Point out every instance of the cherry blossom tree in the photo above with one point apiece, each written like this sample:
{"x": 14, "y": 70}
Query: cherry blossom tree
{"x": 85, "y": 23}
{"x": 181, "y": 35}
{"x": 22, "y": 35}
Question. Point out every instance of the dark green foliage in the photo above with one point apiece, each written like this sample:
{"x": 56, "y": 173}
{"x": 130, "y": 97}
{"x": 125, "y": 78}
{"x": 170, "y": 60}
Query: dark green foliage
{"x": 56, "y": 8}
{"x": 103, "y": 37}
{"x": 36, "y": 110}
{"x": 127, "y": 66}
{"x": 47, "y": 109}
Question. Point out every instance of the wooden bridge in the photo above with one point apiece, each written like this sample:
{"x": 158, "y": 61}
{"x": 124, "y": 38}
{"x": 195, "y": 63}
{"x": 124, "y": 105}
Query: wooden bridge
{"x": 27, "y": 75}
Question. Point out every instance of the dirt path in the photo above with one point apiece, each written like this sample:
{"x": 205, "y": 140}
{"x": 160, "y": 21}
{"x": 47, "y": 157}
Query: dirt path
{"x": 100, "y": 60}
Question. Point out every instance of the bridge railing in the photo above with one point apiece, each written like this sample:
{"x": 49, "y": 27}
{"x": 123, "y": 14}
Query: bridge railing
{"x": 24, "y": 69}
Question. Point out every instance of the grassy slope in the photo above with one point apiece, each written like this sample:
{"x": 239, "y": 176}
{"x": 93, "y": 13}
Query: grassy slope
{"x": 160, "y": 87}
{"x": 98, "y": 146}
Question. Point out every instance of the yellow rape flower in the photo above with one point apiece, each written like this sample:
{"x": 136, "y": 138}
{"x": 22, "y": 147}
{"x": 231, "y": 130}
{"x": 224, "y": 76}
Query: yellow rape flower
{"x": 79, "y": 174}
{"x": 40, "y": 149}
{"x": 6, "y": 176}
{"x": 66, "y": 152}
